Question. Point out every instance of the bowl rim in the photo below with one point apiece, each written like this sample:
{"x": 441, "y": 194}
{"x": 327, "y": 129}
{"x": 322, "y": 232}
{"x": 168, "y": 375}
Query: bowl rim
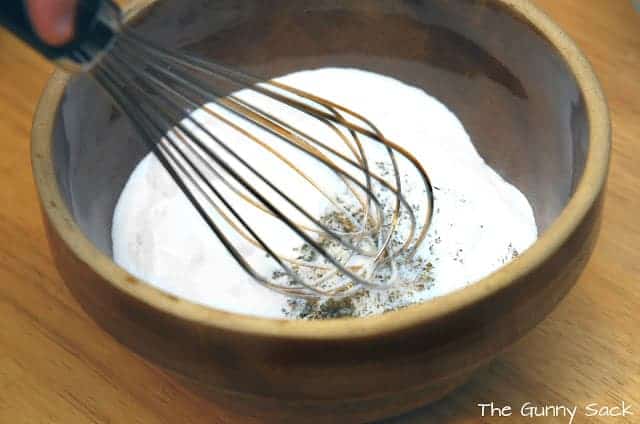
{"x": 587, "y": 190}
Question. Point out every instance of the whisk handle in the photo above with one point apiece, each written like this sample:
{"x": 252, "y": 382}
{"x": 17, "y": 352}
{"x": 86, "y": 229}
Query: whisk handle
{"x": 96, "y": 25}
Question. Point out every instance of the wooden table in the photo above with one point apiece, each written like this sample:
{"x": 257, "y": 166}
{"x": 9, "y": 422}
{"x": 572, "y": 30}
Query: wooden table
{"x": 57, "y": 366}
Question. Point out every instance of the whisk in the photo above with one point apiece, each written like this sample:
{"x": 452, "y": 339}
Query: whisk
{"x": 336, "y": 189}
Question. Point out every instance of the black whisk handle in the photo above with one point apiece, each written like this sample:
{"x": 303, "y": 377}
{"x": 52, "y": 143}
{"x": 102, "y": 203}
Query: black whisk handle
{"x": 96, "y": 25}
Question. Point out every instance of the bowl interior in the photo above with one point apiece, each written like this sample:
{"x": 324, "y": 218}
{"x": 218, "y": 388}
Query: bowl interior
{"x": 507, "y": 84}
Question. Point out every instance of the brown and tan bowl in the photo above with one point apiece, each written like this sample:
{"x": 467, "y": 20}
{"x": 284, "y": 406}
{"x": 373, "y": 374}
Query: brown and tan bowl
{"x": 522, "y": 89}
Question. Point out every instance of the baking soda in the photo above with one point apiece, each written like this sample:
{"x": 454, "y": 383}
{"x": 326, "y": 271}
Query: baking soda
{"x": 480, "y": 221}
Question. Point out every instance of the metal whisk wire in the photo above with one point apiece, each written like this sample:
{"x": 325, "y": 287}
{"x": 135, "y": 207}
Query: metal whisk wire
{"x": 158, "y": 89}
{"x": 359, "y": 238}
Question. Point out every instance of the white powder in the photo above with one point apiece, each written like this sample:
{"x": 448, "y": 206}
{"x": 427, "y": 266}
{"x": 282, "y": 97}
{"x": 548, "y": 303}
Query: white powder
{"x": 480, "y": 221}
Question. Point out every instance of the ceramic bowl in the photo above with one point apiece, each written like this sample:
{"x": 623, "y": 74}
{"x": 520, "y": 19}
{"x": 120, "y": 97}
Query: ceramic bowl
{"x": 524, "y": 92}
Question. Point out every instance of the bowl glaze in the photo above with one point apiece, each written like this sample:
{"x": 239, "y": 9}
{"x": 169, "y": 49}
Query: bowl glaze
{"x": 525, "y": 94}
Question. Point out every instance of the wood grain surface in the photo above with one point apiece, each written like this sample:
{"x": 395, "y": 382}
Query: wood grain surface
{"x": 57, "y": 366}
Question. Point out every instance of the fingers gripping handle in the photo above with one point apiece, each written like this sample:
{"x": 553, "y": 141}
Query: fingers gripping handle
{"x": 95, "y": 27}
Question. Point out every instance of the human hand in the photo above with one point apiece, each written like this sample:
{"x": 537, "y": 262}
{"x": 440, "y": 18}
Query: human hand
{"x": 53, "y": 20}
